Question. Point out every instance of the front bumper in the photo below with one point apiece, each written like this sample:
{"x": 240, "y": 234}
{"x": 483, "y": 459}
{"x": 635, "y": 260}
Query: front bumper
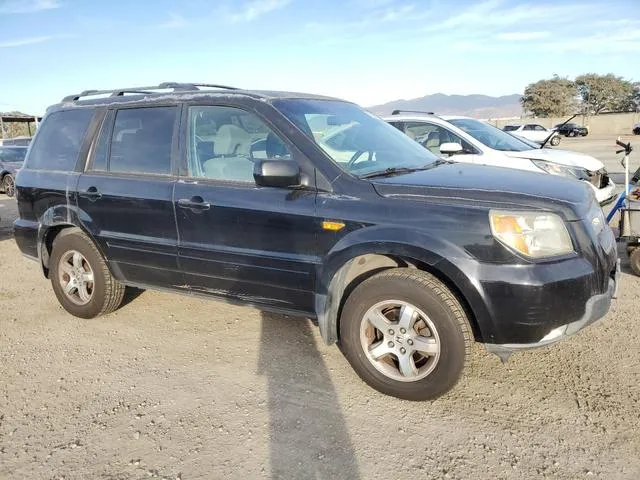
{"x": 605, "y": 195}
{"x": 596, "y": 307}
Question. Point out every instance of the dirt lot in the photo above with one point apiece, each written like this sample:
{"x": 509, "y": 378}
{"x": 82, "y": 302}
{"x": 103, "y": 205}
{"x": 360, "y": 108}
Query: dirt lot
{"x": 175, "y": 387}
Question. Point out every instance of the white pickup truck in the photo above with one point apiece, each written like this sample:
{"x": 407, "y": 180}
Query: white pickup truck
{"x": 533, "y": 132}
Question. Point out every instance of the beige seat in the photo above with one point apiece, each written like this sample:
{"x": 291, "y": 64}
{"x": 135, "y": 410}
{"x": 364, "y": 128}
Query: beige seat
{"x": 433, "y": 142}
{"x": 231, "y": 162}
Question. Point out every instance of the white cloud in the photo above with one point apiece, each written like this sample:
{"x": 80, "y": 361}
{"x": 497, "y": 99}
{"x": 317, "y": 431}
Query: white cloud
{"x": 522, "y": 36}
{"x": 19, "y": 42}
{"x": 257, "y": 8}
{"x": 28, "y": 6}
{"x": 175, "y": 21}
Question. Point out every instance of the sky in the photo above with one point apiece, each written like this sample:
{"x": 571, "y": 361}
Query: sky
{"x": 367, "y": 51}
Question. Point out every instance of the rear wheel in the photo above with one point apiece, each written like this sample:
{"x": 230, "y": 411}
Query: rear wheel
{"x": 8, "y": 185}
{"x": 80, "y": 277}
{"x": 555, "y": 141}
{"x": 405, "y": 334}
{"x": 634, "y": 259}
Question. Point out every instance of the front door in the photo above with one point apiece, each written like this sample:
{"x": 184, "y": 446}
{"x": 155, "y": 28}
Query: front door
{"x": 238, "y": 240}
{"x": 125, "y": 195}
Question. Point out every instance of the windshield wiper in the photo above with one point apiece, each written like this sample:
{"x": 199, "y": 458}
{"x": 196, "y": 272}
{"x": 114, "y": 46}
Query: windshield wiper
{"x": 388, "y": 172}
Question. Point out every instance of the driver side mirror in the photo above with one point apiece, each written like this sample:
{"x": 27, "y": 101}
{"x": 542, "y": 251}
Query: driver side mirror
{"x": 451, "y": 148}
{"x": 277, "y": 173}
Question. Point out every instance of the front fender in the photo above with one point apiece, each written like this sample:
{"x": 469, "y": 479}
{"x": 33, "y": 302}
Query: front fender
{"x": 445, "y": 259}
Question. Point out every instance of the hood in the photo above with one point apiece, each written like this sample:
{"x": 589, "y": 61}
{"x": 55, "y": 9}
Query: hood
{"x": 562, "y": 157}
{"x": 491, "y": 187}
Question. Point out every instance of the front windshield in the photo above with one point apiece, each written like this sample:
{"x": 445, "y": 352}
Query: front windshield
{"x": 12, "y": 154}
{"x": 491, "y": 136}
{"x": 357, "y": 141}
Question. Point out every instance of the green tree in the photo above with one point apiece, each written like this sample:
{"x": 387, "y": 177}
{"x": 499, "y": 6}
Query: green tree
{"x": 555, "y": 97}
{"x": 605, "y": 92}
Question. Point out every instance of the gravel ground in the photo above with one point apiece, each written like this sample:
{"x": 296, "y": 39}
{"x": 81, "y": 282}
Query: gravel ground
{"x": 174, "y": 387}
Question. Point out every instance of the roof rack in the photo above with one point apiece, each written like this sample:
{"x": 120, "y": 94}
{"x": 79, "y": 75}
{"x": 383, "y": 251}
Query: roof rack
{"x": 119, "y": 92}
{"x": 398, "y": 112}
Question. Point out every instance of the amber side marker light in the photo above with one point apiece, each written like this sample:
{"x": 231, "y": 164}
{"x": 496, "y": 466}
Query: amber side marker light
{"x": 332, "y": 226}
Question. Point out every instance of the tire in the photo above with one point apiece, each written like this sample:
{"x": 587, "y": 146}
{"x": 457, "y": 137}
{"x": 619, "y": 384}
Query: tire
{"x": 448, "y": 331}
{"x": 105, "y": 293}
{"x": 555, "y": 141}
{"x": 634, "y": 259}
{"x": 8, "y": 185}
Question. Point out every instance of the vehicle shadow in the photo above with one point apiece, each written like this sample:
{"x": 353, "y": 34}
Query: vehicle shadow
{"x": 307, "y": 431}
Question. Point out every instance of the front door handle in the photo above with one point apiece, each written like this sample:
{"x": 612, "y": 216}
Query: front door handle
{"x": 194, "y": 203}
{"x": 91, "y": 193}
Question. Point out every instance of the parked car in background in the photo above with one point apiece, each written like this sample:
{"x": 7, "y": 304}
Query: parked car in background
{"x": 571, "y": 130}
{"x": 402, "y": 257}
{"x": 636, "y": 129}
{"x": 11, "y": 159}
{"x": 534, "y": 132}
{"x": 469, "y": 140}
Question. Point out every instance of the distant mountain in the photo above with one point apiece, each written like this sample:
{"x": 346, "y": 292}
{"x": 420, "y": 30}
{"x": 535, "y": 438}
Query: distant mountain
{"x": 478, "y": 106}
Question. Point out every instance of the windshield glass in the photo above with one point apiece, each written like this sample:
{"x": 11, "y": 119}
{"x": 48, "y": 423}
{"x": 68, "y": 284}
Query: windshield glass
{"x": 510, "y": 128}
{"x": 359, "y": 142}
{"x": 12, "y": 154}
{"x": 491, "y": 136}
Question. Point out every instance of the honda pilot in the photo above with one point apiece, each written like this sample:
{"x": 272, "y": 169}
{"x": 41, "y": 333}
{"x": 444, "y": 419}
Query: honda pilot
{"x": 403, "y": 259}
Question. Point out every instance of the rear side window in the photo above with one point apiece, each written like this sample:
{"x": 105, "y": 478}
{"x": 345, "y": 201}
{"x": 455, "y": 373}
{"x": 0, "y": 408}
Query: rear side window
{"x": 59, "y": 141}
{"x": 141, "y": 141}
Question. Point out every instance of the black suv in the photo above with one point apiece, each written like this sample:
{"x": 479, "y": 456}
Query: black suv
{"x": 571, "y": 130}
{"x": 403, "y": 258}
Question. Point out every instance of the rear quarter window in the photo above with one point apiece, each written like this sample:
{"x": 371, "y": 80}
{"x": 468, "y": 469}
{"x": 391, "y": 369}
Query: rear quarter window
{"x": 59, "y": 140}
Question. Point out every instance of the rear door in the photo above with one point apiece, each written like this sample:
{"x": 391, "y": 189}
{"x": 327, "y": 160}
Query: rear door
{"x": 238, "y": 240}
{"x": 126, "y": 194}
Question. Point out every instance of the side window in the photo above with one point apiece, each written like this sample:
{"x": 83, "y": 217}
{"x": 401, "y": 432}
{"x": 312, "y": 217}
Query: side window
{"x": 418, "y": 131}
{"x": 59, "y": 140}
{"x": 398, "y": 125}
{"x": 432, "y": 136}
{"x": 224, "y": 143}
{"x": 528, "y": 127}
{"x": 141, "y": 141}
{"x": 539, "y": 128}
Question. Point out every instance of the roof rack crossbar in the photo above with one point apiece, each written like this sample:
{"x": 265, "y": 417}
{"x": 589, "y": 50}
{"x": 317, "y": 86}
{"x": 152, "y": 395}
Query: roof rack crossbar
{"x": 118, "y": 92}
{"x": 398, "y": 112}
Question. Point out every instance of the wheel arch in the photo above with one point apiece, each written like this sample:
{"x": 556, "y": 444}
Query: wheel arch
{"x": 52, "y": 222}
{"x": 345, "y": 270}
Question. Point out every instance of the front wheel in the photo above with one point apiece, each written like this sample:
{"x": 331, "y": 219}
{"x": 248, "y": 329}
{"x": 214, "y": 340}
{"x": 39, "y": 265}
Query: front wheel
{"x": 8, "y": 185}
{"x": 555, "y": 141}
{"x": 405, "y": 334}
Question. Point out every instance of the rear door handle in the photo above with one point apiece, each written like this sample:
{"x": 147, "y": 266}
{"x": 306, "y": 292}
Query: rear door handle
{"x": 91, "y": 193}
{"x": 194, "y": 203}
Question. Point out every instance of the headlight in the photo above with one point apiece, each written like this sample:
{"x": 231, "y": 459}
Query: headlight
{"x": 563, "y": 170}
{"x": 532, "y": 234}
